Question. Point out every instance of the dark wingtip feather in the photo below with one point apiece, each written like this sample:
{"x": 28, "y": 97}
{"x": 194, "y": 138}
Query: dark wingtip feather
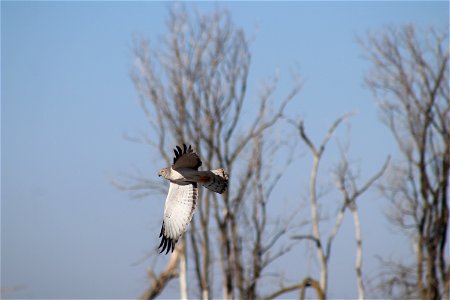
{"x": 162, "y": 242}
{"x": 180, "y": 152}
{"x": 170, "y": 246}
{"x": 176, "y": 156}
{"x": 167, "y": 243}
{"x": 186, "y": 150}
{"x": 162, "y": 230}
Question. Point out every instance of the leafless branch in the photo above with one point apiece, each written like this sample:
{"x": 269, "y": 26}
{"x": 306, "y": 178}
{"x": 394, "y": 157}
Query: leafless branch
{"x": 160, "y": 281}
{"x": 192, "y": 88}
{"x": 307, "y": 282}
{"x": 410, "y": 78}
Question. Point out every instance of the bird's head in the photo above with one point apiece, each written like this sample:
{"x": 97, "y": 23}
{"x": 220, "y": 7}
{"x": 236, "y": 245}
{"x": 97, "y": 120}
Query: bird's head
{"x": 163, "y": 172}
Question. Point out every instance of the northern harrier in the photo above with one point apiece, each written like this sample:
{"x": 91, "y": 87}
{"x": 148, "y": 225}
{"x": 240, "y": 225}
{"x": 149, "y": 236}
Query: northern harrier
{"x": 183, "y": 193}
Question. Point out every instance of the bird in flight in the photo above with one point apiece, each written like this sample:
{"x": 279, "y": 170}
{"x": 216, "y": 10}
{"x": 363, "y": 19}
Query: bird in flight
{"x": 181, "y": 200}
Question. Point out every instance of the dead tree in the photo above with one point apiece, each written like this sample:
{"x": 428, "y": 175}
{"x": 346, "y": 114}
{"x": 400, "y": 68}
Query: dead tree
{"x": 410, "y": 78}
{"x": 346, "y": 180}
{"x": 348, "y": 186}
{"x": 192, "y": 89}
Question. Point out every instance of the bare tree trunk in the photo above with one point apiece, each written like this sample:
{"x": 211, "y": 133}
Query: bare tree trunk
{"x": 359, "y": 253}
{"x": 183, "y": 273}
{"x": 226, "y": 264}
{"x": 315, "y": 226}
{"x": 205, "y": 278}
{"x": 347, "y": 184}
{"x": 410, "y": 71}
{"x": 317, "y": 153}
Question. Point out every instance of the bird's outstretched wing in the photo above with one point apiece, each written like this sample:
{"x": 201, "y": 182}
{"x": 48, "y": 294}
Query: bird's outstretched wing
{"x": 214, "y": 180}
{"x": 186, "y": 158}
{"x": 179, "y": 209}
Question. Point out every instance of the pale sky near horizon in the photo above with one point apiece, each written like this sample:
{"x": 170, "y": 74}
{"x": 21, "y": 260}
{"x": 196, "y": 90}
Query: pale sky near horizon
{"x": 67, "y": 100}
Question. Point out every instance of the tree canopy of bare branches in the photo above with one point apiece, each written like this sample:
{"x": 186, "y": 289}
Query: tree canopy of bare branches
{"x": 347, "y": 184}
{"x": 410, "y": 77}
{"x": 193, "y": 89}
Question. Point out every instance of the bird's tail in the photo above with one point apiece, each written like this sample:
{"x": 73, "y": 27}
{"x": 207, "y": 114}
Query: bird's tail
{"x": 216, "y": 181}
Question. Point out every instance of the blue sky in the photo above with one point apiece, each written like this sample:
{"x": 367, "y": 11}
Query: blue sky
{"x": 67, "y": 99}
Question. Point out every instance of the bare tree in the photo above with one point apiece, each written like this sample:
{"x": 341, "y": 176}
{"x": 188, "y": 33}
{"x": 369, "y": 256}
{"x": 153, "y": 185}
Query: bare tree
{"x": 193, "y": 89}
{"x": 410, "y": 77}
{"x": 348, "y": 186}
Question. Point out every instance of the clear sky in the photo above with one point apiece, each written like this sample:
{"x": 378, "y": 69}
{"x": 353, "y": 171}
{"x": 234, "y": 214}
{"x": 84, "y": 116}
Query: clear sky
{"x": 67, "y": 99}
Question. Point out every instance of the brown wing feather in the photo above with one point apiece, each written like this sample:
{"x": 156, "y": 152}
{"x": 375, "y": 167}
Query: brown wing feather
{"x": 186, "y": 158}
